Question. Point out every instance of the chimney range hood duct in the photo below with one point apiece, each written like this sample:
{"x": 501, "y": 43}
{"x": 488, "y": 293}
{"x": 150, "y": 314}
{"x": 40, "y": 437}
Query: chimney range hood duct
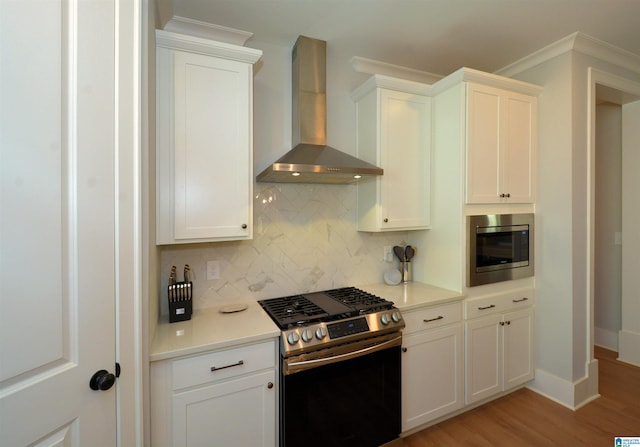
{"x": 311, "y": 160}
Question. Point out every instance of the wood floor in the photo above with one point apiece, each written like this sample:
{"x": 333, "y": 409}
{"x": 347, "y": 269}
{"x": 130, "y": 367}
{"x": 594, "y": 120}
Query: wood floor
{"x": 525, "y": 418}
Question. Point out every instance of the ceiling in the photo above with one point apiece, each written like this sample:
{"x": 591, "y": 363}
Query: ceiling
{"x": 435, "y": 36}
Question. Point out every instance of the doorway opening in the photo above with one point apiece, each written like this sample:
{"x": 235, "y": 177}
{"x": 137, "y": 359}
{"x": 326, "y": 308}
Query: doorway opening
{"x": 614, "y": 160}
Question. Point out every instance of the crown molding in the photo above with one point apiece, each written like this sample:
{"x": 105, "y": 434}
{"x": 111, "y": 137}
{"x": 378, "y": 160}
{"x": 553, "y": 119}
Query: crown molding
{"x": 578, "y": 42}
{"x": 184, "y": 25}
{"x": 493, "y": 80}
{"x": 372, "y": 67}
{"x": 390, "y": 83}
{"x": 167, "y": 39}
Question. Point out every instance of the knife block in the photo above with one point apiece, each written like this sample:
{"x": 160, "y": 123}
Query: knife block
{"x": 180, "y": 301}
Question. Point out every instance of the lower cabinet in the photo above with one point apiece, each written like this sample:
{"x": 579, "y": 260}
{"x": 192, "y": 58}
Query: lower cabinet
{"x": 499, "y": 353}
{"x": 219, "y": 398}
{"x": 432, "y": 364}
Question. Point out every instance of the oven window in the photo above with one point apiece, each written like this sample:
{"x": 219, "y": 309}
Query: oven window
{"x": 502, "y": 248}
{"x": 354, "y": 403}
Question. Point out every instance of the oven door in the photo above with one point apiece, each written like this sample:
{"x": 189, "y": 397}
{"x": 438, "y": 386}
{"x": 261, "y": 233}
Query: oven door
{"x": 347, "y": 395}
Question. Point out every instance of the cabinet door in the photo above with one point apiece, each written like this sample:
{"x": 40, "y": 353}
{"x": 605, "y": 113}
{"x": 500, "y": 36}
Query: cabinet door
{"x": 238, "y": 412}
{"x": 483, "y": 360}
{"x": 501, "y": 142}
{"x": 404, "y": 155}
{"x": 518, "y": 347}
{"x": 484, "y": 108}
{"x": 432, "y": 377}
{"x": 204, "y": 148}
{"x": 519, "y": 147}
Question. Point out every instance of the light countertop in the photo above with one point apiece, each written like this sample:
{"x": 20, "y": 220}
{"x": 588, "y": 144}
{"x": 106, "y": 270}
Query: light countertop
{"x": 413, "y": 295}
{"x": 210, "y": 329}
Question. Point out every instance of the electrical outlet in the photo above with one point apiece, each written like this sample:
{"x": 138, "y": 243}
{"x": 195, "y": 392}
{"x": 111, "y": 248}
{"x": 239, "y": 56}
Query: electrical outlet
{"x": 388, "y": 254}
{"x": 213, "y": 270}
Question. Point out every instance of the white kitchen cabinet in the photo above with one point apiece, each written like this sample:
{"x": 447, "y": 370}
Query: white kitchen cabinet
{"x": 393, "y": 132}
{"x": 499, "y": 351}
{"x": 501, "y": 145}
{"x": 432, "y": 364}
{"x": 226, "y": 397}
{"x": 204, "y": 167}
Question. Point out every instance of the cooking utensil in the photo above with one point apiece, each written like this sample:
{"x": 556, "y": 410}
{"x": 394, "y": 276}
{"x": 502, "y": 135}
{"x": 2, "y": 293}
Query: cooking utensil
{"x": 399, "y": 251}
{"x": 409, "y": 252}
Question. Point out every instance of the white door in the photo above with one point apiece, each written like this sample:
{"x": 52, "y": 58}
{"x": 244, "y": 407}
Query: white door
{"x": 57, "y": 234}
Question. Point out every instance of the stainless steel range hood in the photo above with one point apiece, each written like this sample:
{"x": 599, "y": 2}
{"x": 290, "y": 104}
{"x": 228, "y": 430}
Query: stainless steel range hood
{"x": 311, "y": 160}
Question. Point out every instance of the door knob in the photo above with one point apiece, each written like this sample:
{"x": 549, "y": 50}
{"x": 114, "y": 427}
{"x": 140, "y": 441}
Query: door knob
{"x": 102, "y": 380}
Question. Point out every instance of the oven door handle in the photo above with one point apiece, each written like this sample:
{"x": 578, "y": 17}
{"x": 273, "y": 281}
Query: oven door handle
{"x": 308, "y": 364}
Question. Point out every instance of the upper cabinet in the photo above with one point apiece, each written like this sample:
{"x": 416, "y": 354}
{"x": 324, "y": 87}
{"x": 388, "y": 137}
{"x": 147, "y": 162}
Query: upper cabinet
{"x": 501, "y": 145}
{"x": 204, "y": 164}
{"x": 393, "y": 132}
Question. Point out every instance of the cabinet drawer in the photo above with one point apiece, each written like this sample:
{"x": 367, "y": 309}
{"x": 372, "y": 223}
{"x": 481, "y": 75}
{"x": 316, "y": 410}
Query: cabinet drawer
{"x": 431, "y": 317}
{"x": 220, "y": 365}
{"x": 504, "y": 302}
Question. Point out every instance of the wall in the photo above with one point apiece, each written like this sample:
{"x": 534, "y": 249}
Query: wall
{"x": 553, "y": 216}
{"x": 608, "y": 222}
{"x": 564, "y": 351}
{"x": 305, "y": 236}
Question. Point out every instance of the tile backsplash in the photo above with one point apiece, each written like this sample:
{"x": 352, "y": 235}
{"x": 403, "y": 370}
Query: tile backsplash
{"x": 305, "y": 239}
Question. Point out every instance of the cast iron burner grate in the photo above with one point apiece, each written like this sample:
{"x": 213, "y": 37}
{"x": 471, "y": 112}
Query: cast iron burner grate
{"x": 293, "y": 310}
{"x": 361, "y": 301}
{"x": 330, "y": 305}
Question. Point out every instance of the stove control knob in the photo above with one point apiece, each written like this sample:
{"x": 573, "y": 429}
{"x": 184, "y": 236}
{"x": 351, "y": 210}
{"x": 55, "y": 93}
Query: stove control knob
{"x": 321, "y": 333}
{"x": 293, "y": 338}
{"x": 307, "y": 336}
{"x": 396, "y": 317}
{"x": 384, "y": 319}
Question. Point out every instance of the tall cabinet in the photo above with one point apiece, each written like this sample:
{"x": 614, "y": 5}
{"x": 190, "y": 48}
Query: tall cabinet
{"x": 484, "y": 131}
{"x": 204, "y": 167}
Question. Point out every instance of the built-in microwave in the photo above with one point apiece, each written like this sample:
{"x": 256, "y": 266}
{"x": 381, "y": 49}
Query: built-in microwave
{"x": 499, "y": 247}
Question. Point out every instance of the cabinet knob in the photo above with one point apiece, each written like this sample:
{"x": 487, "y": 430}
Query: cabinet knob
{"x": 386, "y": 220}
{"x": 502, "y": 323}
{"x": 244, "y": 226}
{"x": 270, "y": 385}
{"x": 506, "y": 196}
{"x": 404, "y": 349}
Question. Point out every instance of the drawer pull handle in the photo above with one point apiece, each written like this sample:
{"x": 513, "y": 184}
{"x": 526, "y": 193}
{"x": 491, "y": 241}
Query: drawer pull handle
{"x": 433, "y": 319}
{"x": 491, "y": 306}
{"x": 213, "y": 368}
{"x": 520, "y": 300}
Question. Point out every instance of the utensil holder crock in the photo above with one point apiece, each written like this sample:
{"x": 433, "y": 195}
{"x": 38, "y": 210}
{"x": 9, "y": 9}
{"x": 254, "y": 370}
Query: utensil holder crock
{"x": 405, "y": 270}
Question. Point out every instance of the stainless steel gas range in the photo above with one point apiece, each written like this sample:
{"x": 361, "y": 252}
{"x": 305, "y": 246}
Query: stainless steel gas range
{"x": 340, "y": 368}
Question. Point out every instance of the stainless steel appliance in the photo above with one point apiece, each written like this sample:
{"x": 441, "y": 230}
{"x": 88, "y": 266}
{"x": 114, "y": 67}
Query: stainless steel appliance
{"x": 340, "y": 368}
{"x": 500, "y": 248}
{"x": 311, "y": 160}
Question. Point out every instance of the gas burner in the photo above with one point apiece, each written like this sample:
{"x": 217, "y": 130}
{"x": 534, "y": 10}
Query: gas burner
{"x": 318, "y": 320}
{"x": 315, "y": 307}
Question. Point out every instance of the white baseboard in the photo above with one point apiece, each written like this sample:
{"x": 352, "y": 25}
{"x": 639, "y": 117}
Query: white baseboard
{"x": 606, "y": 338}
{"x": 629, "y": 347}
{"x": 572, "y": 395}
